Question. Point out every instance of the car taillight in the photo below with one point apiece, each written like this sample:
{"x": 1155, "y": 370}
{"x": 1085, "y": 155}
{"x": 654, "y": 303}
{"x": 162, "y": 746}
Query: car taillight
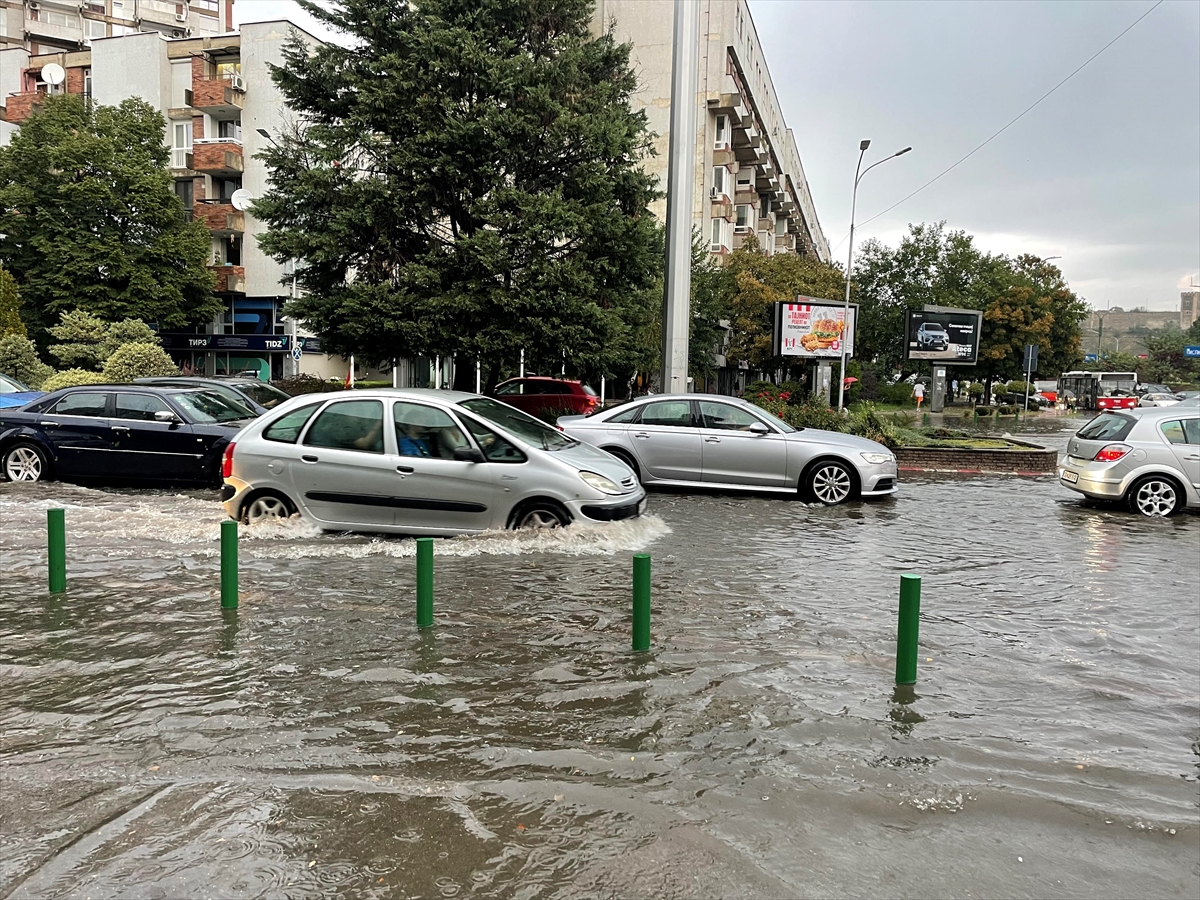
{"x": 1112, "y": 453}
{"x": 227, "y": 461}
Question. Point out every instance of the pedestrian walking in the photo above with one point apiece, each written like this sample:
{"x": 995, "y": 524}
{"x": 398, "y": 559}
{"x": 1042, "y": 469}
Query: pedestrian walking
{"x": 954, "y": 389}
{"x": 919, "y": 392}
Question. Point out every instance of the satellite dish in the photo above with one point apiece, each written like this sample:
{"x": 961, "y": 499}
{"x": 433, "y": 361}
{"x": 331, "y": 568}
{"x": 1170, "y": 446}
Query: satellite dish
{"x": 241, "y": 199}
{"x": 53, "y": 73}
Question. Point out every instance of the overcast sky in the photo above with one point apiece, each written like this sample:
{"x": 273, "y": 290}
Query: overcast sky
{"x": 1104, "y": 173}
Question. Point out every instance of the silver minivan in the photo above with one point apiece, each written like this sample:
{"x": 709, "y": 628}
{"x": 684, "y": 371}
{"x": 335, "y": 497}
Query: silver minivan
{"x": 420, "y": 462}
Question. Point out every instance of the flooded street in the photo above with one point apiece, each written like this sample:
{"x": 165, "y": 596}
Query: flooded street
{"x": 315, "y": 744}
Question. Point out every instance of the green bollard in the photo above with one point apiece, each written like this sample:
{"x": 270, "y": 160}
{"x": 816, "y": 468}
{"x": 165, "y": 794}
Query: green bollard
{"x": 906, "y": 632}
{"x": 229, "y": 564}
{"x": 56, "y": 528}
{"x": 641, "y": 601}
{"x": 424, "y": 582}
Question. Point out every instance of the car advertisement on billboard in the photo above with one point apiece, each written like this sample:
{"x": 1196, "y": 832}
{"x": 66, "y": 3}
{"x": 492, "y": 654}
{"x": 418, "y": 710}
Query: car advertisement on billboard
{"x": 943, "y": 334}
{"x": 817, "y": 329}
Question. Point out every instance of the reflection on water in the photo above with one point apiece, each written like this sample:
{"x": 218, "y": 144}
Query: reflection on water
{"x": 315, "y": 743}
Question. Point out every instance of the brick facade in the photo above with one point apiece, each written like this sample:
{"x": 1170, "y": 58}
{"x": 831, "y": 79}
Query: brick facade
{"x": 230, "y": 278}
{"x": 20, "y": 106}
{"x": 220, "y": 217}
{"x": 225, "y": 156}
{"x": 75, "y": 80}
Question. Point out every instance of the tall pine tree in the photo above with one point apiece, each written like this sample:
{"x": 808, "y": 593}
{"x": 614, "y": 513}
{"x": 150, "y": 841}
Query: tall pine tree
{"x": 464, "y": 178}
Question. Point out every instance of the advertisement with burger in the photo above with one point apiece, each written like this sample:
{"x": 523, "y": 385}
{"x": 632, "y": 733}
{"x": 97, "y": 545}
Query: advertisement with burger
{"x": 814, "y": 328}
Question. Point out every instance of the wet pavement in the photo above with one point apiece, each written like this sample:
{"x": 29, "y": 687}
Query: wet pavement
{"x": 314, "y": 744}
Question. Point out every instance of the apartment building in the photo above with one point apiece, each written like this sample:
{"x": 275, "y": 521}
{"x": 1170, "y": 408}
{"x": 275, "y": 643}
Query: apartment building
{"x": 56, "y": 26}
{"x": 221, "y": 108}
{"x": 749, "y": 179}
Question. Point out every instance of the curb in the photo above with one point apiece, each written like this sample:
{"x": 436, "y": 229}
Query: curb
{"x": 1028, "y": 474}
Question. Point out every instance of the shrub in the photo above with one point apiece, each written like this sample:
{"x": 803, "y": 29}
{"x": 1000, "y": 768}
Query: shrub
{"x": 19, "y": 360}
{"x": 306, "y": 384}
{"x": 1018, "y": 387}
{"x": 79, "y": 335}
{"x": 1006, "y": 410}
{"x": 139, "y": 360}
{"x": 550, "y": 414}
{"x": 72, "y": 378}
{"x": 899, "y": 393}
{"x": 127, "y": 331}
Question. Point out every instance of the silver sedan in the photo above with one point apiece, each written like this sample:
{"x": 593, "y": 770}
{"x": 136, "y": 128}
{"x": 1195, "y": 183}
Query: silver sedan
{"x": 711, "y": 441}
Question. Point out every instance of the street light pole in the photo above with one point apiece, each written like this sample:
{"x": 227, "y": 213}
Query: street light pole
{"x": 858, "y": 176}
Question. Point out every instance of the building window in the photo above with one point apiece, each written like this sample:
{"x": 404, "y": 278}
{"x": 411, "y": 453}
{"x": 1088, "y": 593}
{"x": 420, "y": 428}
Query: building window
{"x": 228, "y": 69}
{"x": 94, "y": 28}
{"x": 182, "y": 145}
{"x": 720, "y": 182}
{"x": 721, "y": 141}
{"x": 744, "y": 214}
{"x": 54, "y": 17}
{"x": 721, "y": 239}
{"x": 764, "y": 206}
{"x": 745, "y": 178}
{"x": 781, "y": 226}
{"x": 87, "y": 83}
{"x": 230, "y": 131}
{"x": 184, "y": 190}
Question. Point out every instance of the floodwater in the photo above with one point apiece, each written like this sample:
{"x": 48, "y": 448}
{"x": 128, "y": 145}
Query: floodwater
{"x": 315, "y": 744}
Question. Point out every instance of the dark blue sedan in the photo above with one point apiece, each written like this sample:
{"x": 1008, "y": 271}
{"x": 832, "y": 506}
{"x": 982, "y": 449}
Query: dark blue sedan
{"x": 122, "y": 432}
{"x": 13, "y": 393}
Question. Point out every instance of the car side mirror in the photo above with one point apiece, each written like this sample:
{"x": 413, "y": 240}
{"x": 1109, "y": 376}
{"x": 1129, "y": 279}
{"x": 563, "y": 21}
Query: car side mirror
{"x": 468, "y": 454}
{"x": 164, "y": 415}
{"x": 759, "y": 428}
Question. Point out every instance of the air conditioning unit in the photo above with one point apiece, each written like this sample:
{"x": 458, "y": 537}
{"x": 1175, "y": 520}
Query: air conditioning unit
{"x": 181, "y": 17}
{"x": 34, "y": 7}
{"x": 178, "y": 33}
{"x": 237, "y": 83}
{"x": 713, "y": 193}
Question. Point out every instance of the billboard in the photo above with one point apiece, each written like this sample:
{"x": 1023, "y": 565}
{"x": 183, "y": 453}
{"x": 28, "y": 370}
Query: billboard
{"x": 814, "y": 329}
{"x": 943, "y": 334}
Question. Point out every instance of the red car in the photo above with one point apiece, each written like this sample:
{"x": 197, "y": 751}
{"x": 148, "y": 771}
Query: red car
{"x": 538, "y": 394}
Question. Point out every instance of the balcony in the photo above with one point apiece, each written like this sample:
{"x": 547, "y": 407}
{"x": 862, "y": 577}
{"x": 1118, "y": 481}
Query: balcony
{"x": 215, "y": 97}
{"x": 69, "y": 32}
{"x": 230, "y": 279}
{"x": 221, "y": 157}
{"x": 182, "y": 158}
{"x": 22, "y": 105}
{"x": 220, "y": 218}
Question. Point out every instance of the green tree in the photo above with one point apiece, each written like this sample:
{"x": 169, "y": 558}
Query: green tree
{"x": 10, "y": 306}
{"x": 464, "y": 178}
{"x": 19, "y": 360}
{"x": 79, "y": 336}
{"x": 1165, "y": 360}
{"x": 92, "y": 222}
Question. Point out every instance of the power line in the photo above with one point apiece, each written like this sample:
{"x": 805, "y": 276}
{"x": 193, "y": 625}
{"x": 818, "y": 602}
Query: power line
{"x": 1011, "y": 122}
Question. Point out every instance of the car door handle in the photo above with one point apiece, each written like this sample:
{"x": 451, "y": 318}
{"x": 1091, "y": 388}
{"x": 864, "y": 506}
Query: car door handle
{"x": 49, "y": 424}
{"x": 642, "y": 436}
{"x": 120, "y": 427}
{"x": 712, "y": 440}
{"x": 405, "y": 470}
{"x": 308, "y": 458}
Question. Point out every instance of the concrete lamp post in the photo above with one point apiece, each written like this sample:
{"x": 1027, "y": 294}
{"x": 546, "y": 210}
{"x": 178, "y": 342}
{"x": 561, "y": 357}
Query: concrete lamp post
{"x": 858, "y": 176}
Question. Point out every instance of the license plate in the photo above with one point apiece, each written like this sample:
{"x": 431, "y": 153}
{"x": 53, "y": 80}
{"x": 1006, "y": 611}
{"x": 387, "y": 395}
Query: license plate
{"x": 1070, "y": 476}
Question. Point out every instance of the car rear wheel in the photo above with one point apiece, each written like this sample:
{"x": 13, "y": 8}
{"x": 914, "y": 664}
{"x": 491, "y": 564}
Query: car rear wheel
{"x": 829, "y": 482}
{"x": 25, "y": 462}
{"x": 267, "y": 507}
{"x": 539, "y": 514}
{"x": 1155, "y": 495}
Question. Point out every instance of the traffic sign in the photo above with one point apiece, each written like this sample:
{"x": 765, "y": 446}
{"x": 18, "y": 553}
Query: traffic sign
{"x": 1191, "y": 352}
{"x": 1090, "y": 357}
{"x": 297, "y": 352}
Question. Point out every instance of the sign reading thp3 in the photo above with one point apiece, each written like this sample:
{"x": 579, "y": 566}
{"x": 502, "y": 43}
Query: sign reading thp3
{"x": 943, "y": 334}
{"x": 816, "y": 329}
{"x": 1191, "y": 352}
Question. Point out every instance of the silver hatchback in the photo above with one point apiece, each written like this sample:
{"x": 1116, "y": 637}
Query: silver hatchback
{"x": 419, "y": 462}
{"x": 712, "y": 441}
{"x": 1149, "y": 458}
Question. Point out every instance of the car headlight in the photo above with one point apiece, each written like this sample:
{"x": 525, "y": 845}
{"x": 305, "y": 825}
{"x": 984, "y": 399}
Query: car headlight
{"x": 877, "y": 459}
{"x": 600, "y": 483}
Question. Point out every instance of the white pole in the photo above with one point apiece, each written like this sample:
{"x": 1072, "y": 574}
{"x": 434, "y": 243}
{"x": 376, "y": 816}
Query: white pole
{"x": 437, "y": 373}
{"x": 395, "y": 373}
{"x": 862, "y": 149}
{"x": 352, "y": 379}
{"x": 681, "y": 169}
{"x": 478, "y": 383}
{"x": 522, "y": 373}
{"x": 602, "y": 390}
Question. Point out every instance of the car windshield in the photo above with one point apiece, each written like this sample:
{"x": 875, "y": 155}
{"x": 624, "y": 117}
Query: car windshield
{"x": 775, "y": 420}
{"x": 11, "y": 386}
{"x": 533, "y": 431}
{"x": 264, "y": 394}
{"x": 208, "y": 406}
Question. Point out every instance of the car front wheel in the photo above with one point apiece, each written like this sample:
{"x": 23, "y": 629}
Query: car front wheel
{"x": 539, "y": 515}
{"x": 267, "y": 507}
{"x": 1155, "y": 495}
{"x": 830, "y": 482}
{"x": 25, "y": 462}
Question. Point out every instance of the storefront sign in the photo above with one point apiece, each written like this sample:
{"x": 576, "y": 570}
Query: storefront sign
{"x": 261, "y": 343}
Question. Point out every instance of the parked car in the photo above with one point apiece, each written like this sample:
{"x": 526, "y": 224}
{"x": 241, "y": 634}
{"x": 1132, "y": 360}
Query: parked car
{"x": 1148, "y": 388}
{"x": 1015, "y": 398}
{"x": 932, "y": 336}
{"x": 257, "y": 396}
{"x": 119, "y": 432}
{"x": 420, "y": 462}
{"x": 537, "y": 394}
{"x": 1157, "y": 400}
{"x": 13, "y": 393}
{"x": 711, "y": 441}
{"x": 1148, "y": 458}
